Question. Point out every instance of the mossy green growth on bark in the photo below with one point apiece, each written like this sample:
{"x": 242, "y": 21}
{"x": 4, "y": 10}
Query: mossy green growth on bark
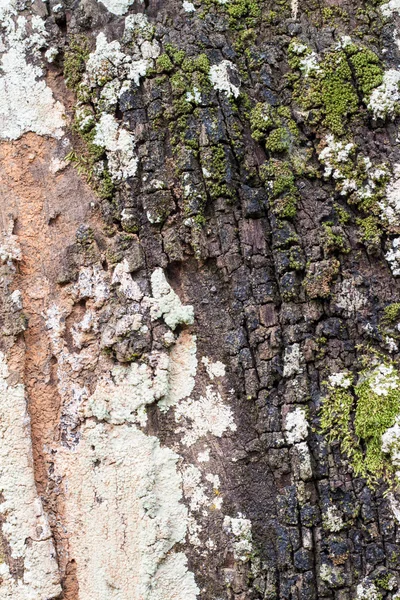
{"x": 358, "y": 415}
{"x": 279, "y": 180}
{"x": 330, "y": 85}
{"x": 75, "y": 59}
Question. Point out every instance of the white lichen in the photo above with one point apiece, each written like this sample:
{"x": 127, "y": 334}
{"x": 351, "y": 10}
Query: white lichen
{"x": 309, "y": 64}
{"x": 332, "y": 519}
{"x": 206, "y": 415}
{"x": 342, "y": 380}
{"x": 220, "y": 77}
{"x": 349, "y": 297}
{"x": 118, "y": 7}
{"x": 390, "y": 206}
{"x": 384, "y": 99}
{"x": 383, "y": 379}
{"x": 26, "y": 102}
{"x": 188, "y": 6}
{"x": 10, "y": 249}
{"x": 24, "y": 523}
{"x": 123, "y": 395}
{"x": 391, "y": 446}
{"x": 182, "y": 370}
{"x": 166, "y": 302}
{"x": 304, "y": 461}
{"x": 124, "y": 515}
{"x": 296, "y": 425}
{"x": 334, "y": 152}
{"x": 390, "y": 7}
{"x": 119, "y": 145}
{"x": 214, "y": 369}
{"x": 393, "y": 257}
{"x": 367, "y": 591}
{"x": 240, "y": 529}
{"x": 292, "y": 360}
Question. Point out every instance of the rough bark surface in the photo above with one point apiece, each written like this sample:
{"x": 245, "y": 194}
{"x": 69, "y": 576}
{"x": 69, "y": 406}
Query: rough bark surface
{"x": 200, "y": 307}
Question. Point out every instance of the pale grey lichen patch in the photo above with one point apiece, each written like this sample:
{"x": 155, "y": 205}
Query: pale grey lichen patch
{"x": 214, "y": 369}
{"x": 166, "y": 303}
{"x": 292, "y": 360}
{"x": 119, "y": 145}
{"x": 220, "y": 77}
{"x": 385, "y": 97}
{"x": 182, "y": 370}
{"x": 332, "y": 519}
{"x": 390, "y": 206}
{"x": 25, "y": 526}
{"x": 366, "y": 590}
{"x": 391, "y": 445}
{"x": 207, "y": 414}
{"x": 349, "y": 297}
{"x": 296, "y": 425}
{"x": 26, "y": 102}
{"x": 123, "y": 396}
{"x": 239, "y": 528}
{"x": 388, "y": 8}
{"x": 141, "y": 500}
{"x": 393, "y": 256}
{"x": 118, "y": 7}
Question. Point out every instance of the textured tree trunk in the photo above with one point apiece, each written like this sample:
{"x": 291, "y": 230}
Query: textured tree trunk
{"x": 200, "y": 307}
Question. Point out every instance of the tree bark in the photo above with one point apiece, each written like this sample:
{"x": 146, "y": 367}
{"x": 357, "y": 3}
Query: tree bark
{"x": 200, "y": 307}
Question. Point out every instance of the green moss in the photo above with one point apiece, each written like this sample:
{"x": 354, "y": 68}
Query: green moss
{"x": 357, "y": 417}
{"x": 177, "y": 56}
{"x": 367, "y": 69}
{"x": 243, "y": 14}
{"x": 279, "y": 179}
{"x": 330, "y": 91}
{"x": 342, "y": 214}
{"x": 199, "y": 63}
{"x": 333, "y": 241}
{"x": 278, "y": 140}
{"x": 385, "y": 582}
{"x": 391, "y": 314}
{"x": 75, "y": 60}
{"x": 336, "y": 93}
{"x": 179, "y": 83}
{"x": 371, "y": 231}
{"x": 164, "y": 64}
{"x": 261, "y": 121}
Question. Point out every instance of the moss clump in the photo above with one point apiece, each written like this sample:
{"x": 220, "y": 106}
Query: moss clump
{"x": 164, "y": 64}
{"x": 278, "y": 140}
{"x": 386, "y": 581}
{"x": 215, "y": 162}
{"x": 243, "y": 14}
{"x": 333, "y": 239}
{"x": 177, "y": 56}
{"x": 391, "y": 314}
{"x": 75, "y": 60}
{"x": 274, "y": 126}
{"x": 367, "y": 68}
{"x": 371, "y": 232}
{"x": 341, "y": 213}
{"x": 279, "y": 180}
{"x": 358, "y": 416}
{"x": 328, "y": 86}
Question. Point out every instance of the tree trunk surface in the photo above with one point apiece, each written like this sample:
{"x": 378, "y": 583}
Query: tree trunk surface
{"x": 200, "y": 303}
